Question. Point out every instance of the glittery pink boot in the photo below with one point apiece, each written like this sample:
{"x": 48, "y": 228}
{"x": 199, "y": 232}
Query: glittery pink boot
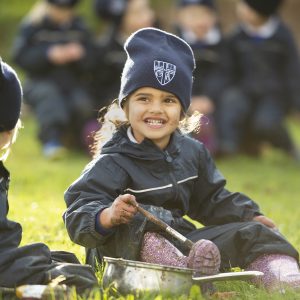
{"x": 158, "y": 250}
{"x": 204, "y": 256}
{"x": 279, "y": 271}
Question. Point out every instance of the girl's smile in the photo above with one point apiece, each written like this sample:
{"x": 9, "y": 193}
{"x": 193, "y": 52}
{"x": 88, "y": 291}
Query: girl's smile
{"x": 155, "y": 123}
{"x": 153, "y": 114}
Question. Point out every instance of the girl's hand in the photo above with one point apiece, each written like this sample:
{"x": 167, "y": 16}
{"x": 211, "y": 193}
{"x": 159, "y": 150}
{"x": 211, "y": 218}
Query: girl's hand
{"x": 266, "y": 221}
{"x": 64, "y": 54}
{"x": 57, "y": 55}
{"x": 122, "y": 210}
{"x": 75, "y": 51}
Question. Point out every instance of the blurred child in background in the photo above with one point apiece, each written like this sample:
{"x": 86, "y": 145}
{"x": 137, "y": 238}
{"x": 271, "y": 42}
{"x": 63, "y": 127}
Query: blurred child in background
{"x": 124, "y": 17}
{"x": 198, "y": 24}
{"x": 55, "y": 49}
{"x": 34, "y": 263}
{"x": 264, "y": 74}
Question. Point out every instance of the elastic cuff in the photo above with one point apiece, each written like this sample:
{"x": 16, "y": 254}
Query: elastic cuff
{"x": 249, "y": 215}
{"x": 99, "y": 228}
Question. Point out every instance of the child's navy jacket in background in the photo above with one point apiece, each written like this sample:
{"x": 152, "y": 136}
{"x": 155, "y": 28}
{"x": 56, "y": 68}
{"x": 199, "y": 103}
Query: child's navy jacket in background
{"x": 109, "y": 63}
{"x": 35, "y": 39}
{"x": 209, "y": 78}
{"x": 265, "y": 66}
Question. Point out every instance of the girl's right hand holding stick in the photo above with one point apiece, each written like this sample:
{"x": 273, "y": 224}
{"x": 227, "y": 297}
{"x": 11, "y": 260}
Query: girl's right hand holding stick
{"x": 122, "y": 210}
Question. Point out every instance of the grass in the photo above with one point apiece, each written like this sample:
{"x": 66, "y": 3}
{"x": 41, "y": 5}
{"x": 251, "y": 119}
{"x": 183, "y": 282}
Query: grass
{"x": 37, "y": 187}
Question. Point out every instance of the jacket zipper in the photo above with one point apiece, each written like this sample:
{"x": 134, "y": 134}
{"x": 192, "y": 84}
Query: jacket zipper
{"x": 169, "y": 160}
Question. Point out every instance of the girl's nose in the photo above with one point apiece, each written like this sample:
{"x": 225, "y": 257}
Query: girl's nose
{"x": 156, "y": 108}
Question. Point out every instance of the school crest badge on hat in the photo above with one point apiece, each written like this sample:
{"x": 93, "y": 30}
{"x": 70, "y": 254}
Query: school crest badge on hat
{"x": 164, "y": 72}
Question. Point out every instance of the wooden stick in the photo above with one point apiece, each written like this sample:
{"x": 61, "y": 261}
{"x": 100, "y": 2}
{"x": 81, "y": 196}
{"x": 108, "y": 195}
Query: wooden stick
{"x": 166, "y": 227}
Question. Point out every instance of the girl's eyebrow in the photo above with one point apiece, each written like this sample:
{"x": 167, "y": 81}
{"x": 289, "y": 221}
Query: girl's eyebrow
{"x": 149, "y": 94}
{"x": 143, "y": 94}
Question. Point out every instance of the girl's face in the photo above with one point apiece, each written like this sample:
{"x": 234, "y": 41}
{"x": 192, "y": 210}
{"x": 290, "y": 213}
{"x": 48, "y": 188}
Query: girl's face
{"x": 153, "y": 114}
{"x": 248, "y": 15}
{"x": 138, "y": 15}
{"x": 197, "y": 19}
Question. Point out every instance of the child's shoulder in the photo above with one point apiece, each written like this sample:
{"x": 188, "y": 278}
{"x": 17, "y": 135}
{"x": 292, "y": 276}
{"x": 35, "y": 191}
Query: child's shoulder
{"x": 284, "y": 30}
{"x": 192, "y": 145}
{"x": 103, "y": 165}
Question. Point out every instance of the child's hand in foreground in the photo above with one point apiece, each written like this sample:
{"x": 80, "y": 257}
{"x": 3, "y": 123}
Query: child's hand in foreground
{"x": 121, "y": 211}
{"x": 266, "y": 221}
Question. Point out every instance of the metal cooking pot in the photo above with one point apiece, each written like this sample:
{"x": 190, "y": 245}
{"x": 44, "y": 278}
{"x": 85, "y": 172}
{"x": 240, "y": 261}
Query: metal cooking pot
{"x": 133, "y": 276}
{"x": 128, "y": 277}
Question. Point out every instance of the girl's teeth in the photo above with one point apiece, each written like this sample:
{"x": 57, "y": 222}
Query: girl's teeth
{"x": 154, "y": 122}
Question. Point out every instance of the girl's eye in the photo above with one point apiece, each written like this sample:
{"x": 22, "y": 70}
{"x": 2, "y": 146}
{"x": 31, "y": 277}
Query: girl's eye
{"x": 142, "y": 99}
{"x": 170, "y": 100}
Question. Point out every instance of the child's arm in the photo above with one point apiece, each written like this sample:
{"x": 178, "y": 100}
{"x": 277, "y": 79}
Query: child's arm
{"x": 93, "y": 192}
{"x": 291, "y": 69}
{"x": 212, "y": 204}
{"x": 30, "y": 55}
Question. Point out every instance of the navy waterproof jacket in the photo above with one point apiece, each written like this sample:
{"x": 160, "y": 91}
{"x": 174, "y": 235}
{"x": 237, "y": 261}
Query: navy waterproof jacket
{"x": 181, "y": 180}
{"x": 265, "y": 66}
{"x": 34, "y": 40}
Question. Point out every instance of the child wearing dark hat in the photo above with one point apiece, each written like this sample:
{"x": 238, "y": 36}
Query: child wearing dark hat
{"x": 198, "y": 24}
{"x": 55, "y": 49}
{"x": 122, "y": 18}
{"x": 144, "y": 159}
{"x": 263, "y": 71}
{"x": 34, "y": 263}
{"x": 10, "y": 108}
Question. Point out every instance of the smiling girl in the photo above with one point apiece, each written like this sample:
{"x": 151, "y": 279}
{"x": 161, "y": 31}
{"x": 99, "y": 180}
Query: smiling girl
{"x": 150, "y": 162}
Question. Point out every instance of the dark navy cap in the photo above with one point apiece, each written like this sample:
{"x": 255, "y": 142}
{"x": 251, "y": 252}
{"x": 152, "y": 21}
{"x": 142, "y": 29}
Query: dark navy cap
{"x": 111, "y": 10}
{"x": 10, "y": 97}
{"x": 160, "y": 60}
{"x": 64, "y": 3}
{"x": 264, "y": 7}
{"x": 208, "y": 3}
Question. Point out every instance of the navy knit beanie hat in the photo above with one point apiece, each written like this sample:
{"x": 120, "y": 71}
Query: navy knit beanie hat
{"x": 160, "y": 60}
{"x": 209, "y": 3}
{"x": 64, "y": 3}
{"x": 10, "y": 97}
{"x": 265, "y": 7}
{"x": 111, "y": 10}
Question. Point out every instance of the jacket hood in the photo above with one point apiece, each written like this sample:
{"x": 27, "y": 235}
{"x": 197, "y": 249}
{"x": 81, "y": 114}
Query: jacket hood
{"x": 146, "y": 150}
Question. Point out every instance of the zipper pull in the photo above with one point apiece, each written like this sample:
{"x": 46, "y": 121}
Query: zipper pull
{"x": 169, "y": 158}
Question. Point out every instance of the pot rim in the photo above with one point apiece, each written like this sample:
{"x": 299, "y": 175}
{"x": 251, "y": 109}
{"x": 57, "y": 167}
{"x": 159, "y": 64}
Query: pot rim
{"x": 133, "y": 263}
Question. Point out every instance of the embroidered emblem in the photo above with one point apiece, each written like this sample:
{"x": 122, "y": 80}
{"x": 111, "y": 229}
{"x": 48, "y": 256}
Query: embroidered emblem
{"x": 164, "y": 72}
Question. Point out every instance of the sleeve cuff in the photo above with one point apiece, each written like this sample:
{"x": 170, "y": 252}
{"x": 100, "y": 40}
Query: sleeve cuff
{"x": 99, "y": 228}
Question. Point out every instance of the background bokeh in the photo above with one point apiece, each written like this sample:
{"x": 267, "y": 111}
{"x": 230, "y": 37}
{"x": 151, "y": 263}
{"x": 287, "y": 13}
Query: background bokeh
{"x": 12, "y": 12}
